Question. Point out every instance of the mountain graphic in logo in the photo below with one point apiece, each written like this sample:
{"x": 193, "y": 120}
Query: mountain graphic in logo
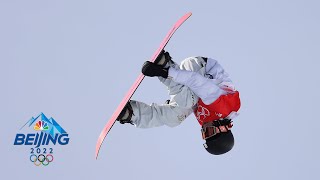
{"x": 43, "y": 124}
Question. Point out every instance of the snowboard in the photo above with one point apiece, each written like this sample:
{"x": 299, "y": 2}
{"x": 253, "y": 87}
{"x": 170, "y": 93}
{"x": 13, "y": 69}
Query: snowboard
{"x": 136, "y": 84}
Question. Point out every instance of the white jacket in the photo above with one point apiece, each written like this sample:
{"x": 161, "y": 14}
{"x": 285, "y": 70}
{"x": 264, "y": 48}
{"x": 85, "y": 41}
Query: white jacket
{"x": 193, "y": 79}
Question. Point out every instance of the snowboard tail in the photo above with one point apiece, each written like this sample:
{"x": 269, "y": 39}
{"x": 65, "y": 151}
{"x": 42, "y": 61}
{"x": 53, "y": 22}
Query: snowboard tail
{"x": 136, "y": 84}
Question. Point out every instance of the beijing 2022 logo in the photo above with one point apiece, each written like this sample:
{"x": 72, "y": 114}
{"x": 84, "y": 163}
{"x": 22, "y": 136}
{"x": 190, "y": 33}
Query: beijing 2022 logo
{"x": 48, "y": 133}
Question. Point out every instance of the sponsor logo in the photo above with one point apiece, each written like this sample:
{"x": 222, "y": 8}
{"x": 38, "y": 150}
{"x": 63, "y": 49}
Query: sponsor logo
{"x": 47, "y": 133}
{"x": 218, "y": 114}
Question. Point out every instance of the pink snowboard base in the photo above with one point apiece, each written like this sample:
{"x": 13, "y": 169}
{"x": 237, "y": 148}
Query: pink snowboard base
{"x": 136, "y": 84}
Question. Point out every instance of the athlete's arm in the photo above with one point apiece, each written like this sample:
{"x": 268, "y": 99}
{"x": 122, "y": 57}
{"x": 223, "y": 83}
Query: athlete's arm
{"x": 206, "y": 89}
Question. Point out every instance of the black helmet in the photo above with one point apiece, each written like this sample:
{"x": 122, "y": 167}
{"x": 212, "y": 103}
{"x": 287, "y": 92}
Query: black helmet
{"x": 220, "y": 143}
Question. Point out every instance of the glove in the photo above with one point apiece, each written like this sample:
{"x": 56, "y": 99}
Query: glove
{"x": 150, "y": 69}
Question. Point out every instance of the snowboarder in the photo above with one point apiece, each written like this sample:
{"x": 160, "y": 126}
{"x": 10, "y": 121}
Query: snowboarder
{"x": 199, "y": 85}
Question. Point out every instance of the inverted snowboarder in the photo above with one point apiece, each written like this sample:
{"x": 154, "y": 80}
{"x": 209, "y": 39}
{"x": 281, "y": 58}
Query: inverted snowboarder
{"x": 200, "y": 86}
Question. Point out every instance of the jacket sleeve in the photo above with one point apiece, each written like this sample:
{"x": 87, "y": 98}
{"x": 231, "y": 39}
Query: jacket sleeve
{"x": 209, "y": 86}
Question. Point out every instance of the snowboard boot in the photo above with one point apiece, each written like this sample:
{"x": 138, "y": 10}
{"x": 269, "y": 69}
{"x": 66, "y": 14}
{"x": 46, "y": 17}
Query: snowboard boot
{"x": 151, "y": 69}
{"x": 126, "y": 114}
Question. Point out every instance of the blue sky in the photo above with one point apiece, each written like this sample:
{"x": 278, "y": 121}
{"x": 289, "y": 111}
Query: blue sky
{"x": 75, "y": 60}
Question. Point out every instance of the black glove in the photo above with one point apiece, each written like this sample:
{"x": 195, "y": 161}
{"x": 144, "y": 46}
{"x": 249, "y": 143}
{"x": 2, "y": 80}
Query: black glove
{"x": 150, "y": 69}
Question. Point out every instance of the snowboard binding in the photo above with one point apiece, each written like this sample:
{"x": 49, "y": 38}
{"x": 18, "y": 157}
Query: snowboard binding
{"x": 126, "y": 114}
{"x": 163, "y": 59}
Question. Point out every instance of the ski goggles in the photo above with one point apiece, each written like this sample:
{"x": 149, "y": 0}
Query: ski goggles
{"x": 212, "y": 128}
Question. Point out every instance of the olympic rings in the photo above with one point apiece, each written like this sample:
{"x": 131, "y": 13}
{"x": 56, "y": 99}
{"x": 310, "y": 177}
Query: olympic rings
{"x": 41, "y": 159}
{"x": 34, "y": 159}
{"x": 45, "y": 164}
{"x": 41, "y": 155}
{"x": 35, "y": 163}
{"x": 50, "y": 156}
